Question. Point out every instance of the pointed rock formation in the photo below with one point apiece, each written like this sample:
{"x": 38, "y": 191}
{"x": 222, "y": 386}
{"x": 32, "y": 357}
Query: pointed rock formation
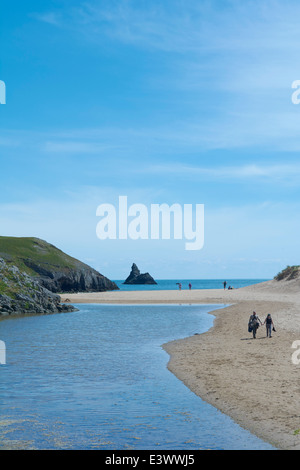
{"x": 135, "y": 277}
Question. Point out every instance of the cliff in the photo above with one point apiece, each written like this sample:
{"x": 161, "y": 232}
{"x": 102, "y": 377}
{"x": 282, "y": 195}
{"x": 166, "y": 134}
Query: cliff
{"x": 20, "y": 294}
{"x": 135, "y": 277}
{"x": 51, "y": 267}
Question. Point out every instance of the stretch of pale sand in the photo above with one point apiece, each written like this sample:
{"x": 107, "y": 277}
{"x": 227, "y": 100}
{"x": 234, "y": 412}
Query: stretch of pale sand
{"x": 255, "y": 382}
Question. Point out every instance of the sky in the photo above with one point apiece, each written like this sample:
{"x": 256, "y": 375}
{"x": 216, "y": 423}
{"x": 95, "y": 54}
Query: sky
{"x": 169, "y": 101}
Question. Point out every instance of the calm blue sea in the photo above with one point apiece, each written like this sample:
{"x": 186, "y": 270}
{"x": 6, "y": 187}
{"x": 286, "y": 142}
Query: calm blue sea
{"x": 172, "y": 284}
{"x": 98, "y": 379}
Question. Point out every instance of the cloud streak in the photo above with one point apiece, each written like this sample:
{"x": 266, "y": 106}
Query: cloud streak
{"x": 289, "y": 173}
{"x": 230, "y": 67}
{"x": 188, "y": 26}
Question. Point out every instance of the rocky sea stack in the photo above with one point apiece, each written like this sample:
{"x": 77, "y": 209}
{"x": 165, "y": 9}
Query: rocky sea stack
{"x": 135, "y": 277}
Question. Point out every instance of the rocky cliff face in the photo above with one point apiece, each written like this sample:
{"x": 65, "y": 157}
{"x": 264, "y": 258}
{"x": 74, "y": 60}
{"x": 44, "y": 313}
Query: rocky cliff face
{"x": 135, "y": 277}
{"x": 51, "y": 267}
{"x": 20, "y": 294}
{"x": 80, "y": 279}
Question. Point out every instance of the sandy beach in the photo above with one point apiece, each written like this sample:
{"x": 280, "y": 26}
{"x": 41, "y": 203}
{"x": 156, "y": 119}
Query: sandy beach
{"x": 254, "y": 381}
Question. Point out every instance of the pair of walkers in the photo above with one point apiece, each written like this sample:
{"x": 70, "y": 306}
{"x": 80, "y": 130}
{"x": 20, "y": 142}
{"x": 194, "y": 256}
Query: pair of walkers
{"x": 255, "y": 321}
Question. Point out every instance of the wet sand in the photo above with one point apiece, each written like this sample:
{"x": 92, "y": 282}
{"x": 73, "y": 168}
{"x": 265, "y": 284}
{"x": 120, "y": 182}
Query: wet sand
{"x": 254, "y": 381}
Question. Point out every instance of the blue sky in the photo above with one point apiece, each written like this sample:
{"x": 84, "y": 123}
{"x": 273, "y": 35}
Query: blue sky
{"x": 176, "y": 101}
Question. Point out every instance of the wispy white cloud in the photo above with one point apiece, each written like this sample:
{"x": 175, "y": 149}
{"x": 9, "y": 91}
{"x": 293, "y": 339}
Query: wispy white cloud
{"x": 274, "y": 173}
{"x": 252, "y": 27}
{"x": 277, "y": 133}
{"x": 51, "y": 18}
{"x": 75, "y": 147}
{"x": 232, "y": 66}
{"x": 193, "y": 26}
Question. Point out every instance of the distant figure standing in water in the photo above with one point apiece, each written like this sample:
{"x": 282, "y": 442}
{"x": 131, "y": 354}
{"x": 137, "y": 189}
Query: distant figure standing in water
{"x": 224, "y": 284}
{"x": 190, "y": 286}
{"x": 179, "y": 285}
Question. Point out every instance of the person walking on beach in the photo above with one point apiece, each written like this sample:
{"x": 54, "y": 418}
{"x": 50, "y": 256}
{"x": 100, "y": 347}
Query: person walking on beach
{"x": 224, "y": 284}
{"x": 254, "y": 322}
{"x": 269, "y": 325}
{"x": 190, "y": 286}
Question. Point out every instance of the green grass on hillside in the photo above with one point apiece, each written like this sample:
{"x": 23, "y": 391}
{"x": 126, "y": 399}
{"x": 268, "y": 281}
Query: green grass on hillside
{"x": 15, "y": 250}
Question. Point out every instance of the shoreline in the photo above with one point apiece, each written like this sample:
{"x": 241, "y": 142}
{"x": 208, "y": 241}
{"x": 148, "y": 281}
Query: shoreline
{"x": 252, "y": 381}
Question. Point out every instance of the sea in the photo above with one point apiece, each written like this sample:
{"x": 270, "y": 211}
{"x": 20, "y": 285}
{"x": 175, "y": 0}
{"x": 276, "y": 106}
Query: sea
{"x": 173, "y": 284}
{"x": 98, "y": 379}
